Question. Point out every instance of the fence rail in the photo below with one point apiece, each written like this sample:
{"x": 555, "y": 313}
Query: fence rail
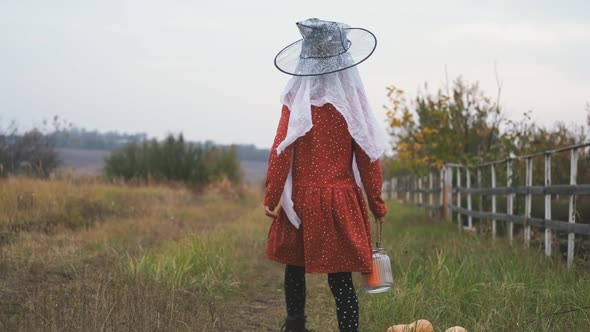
{"x": 450, "y": 195}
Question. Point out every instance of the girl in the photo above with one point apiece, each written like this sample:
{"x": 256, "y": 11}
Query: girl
{"x": 326, "y": 151}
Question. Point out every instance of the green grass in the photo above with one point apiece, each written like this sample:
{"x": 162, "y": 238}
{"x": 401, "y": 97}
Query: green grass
{"x": 202, "y": 262}
{"x": 452, "y": 278}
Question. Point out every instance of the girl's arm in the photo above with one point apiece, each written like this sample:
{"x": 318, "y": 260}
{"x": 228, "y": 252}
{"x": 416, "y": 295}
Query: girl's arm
{"x": 278, "y": 165}
{"x": 372, "y": 181}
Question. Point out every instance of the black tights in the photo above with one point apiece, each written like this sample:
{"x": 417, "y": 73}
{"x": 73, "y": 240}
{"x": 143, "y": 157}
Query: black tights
{"x": 342, "y": 288}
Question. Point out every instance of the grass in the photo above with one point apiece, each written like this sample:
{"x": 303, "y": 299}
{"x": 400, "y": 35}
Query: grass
{"x": 33, "y": 205}
{"x": 73, "y": 278}
{"x": 453, "y": 278}
{"x": 180, "y": 261}
{"x": 199, "y": 262}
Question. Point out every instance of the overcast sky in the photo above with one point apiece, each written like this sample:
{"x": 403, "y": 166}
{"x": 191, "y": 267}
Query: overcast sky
{"x": 205, "y": 68}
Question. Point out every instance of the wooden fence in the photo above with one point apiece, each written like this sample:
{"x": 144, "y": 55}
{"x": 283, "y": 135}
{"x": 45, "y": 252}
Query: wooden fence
{"x": 443, "y": 193}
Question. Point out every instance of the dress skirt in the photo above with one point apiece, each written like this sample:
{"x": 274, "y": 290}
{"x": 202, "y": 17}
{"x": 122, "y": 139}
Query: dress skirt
{"x": 335, "y": 234}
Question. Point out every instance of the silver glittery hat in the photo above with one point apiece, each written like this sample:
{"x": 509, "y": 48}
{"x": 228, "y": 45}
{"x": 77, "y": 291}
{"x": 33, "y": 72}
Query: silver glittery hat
{"x": 326, "y": 47}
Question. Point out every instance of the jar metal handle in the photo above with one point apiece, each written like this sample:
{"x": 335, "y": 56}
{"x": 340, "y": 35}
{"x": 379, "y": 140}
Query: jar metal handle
{"x": 379, "y": 233}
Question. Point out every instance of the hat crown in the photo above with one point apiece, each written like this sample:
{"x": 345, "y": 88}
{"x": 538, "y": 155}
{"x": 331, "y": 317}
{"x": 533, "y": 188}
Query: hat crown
{"x": 323, "y": 39}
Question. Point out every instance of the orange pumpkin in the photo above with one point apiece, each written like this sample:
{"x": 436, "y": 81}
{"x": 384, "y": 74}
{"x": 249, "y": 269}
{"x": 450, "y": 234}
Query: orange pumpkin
{"x": 456, "y": 329}
{"x": 397, "y": 328}
{"x": 421, "y": 325}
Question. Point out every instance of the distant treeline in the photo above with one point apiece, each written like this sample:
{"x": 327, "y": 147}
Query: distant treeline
{"x": 133, "y": 156}
{"x": 251, "y": 152}
{"x": 173, "y": 159}
{"x": 81, "y": 138}
{"x": 94, "y": 140}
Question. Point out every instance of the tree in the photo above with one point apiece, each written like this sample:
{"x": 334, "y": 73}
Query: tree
{"x": 463, "y": 127}
{"x": 31, "y": 153}
{"x": 174, "y": 159}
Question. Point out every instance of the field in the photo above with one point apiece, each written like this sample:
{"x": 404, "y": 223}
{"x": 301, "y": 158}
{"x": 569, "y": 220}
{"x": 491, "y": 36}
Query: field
{"x": 83, "y": 160}
{"x": 91, "y": 256}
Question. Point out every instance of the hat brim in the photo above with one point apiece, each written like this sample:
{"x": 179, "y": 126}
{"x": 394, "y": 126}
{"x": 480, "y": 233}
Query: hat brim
{"x": 362, "y": 45}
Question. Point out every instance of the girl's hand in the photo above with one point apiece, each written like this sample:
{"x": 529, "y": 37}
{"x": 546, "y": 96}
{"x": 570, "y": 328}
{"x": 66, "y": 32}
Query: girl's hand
{"x": 269, "y": 213}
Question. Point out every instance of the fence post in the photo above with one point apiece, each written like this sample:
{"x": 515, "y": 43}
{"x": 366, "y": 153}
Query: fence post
{"x": 479, "y": 184}
{"x": 416, "y": 195}
{"x": 447, "y": 198}
{"x": 469, "y": 217}
{"x": 413, "y": 186}
{"x": 441, "y": 200}
{"x": 419, "y": 191}
{"x": 572, "y": 206}
{"x": 430, "y": 192}
{"x": 493, "y": 180}
{"x": 449, "y": 188}
{"x": 547, "y": 204}
{"x": 509, "y": 199}
{"x": 528, "y": 201}
{"x": 407, "y": 185}
{"x": 394, "y": 188}
{"x": 459, "y": 221}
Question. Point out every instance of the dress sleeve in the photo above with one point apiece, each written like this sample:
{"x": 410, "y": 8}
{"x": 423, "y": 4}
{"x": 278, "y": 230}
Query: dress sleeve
{"x": 372, "y": 181}
{"x": 278, "y": 165}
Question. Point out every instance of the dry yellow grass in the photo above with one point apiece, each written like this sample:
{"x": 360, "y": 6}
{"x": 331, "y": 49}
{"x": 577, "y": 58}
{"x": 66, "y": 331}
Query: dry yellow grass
{"x": 165, "y": 259}
{"x": 56, "y": 275}
{"x": 34, "y": 205}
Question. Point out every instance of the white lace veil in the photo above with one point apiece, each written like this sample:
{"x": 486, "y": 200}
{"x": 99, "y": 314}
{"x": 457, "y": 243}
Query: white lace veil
{"x": 343, "y": 89}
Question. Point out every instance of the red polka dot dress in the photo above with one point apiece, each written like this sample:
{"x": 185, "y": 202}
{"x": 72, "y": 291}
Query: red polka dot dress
{"x": 335, "y": 231}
